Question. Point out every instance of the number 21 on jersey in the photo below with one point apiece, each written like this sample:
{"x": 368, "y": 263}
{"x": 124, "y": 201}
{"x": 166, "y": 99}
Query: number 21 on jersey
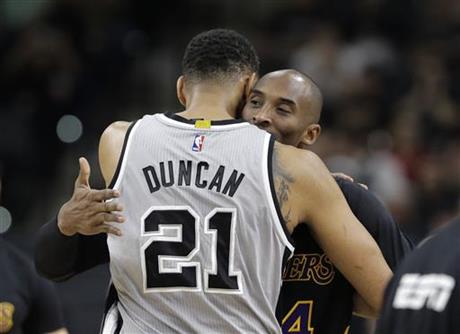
{"x": 174, "y": 239}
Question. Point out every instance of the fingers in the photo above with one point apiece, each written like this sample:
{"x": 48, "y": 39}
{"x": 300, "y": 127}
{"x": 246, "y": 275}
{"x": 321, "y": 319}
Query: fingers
{"x": 102, "y": 207}
{"x": 109, "y": 206}
{"x": 109, "y": 229}
{"x": 106, "y": 217}
{"x": 89, "y": 211}
{"x": 343, "y": 176}
{"x": 104, "y": 195}
{"x": 102, "y": 223}
{"x": 348, "y": 178}
{"x": 83, "y": 176}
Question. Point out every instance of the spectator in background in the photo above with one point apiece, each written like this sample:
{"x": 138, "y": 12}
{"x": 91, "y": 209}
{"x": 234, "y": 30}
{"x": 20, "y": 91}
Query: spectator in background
{"x": 28, "y": 303}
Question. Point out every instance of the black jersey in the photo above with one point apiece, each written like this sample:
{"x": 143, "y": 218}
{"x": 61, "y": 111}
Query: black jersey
{"x": 424, "y": 294}
{"x": 316, "y": 296}
{"x": 28, "y": 303}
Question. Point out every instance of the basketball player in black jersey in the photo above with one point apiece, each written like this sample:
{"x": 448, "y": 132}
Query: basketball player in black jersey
{"x": 315, "y": 295}
{"x": 424, "y": 295}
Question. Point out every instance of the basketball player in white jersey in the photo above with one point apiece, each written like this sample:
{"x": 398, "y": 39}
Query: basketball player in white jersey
{"x": 210, "y": 203}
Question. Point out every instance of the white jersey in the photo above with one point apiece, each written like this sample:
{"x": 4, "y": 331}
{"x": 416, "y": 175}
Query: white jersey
{"x": 203, "y": 245}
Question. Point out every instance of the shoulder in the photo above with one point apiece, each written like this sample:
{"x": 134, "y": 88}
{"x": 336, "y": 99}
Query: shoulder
{"x": 303, "y": 165}
{"x": 359, "y": 197}
{"x": 303, "y": 170}
{"x": 364, "y": 203}
{"x": 304, "y": 183}
{"x": 113, "y": 137}
{"x": 377, "y": 219}
{"x": 111, "y": 146}
{"x": 116, "y": 130}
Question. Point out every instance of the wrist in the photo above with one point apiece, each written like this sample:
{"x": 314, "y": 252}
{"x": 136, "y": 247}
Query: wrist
{"x": 65, "y": 228}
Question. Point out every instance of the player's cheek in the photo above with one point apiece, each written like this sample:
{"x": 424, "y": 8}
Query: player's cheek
{"x": 280, "y": 128}
{"x": 247, "y": 113}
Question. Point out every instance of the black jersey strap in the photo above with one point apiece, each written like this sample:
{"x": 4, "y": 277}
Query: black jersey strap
{"x": 271, "y": 146}
{"x": 112, "y": 322}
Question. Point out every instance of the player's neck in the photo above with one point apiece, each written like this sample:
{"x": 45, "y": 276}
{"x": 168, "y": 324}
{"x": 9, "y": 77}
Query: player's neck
{"x": 212, "y": 104}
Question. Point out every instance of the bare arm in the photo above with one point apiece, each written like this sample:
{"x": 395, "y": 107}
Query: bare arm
{"x": 307, "y": 193}
{"x": 361, "y": 308}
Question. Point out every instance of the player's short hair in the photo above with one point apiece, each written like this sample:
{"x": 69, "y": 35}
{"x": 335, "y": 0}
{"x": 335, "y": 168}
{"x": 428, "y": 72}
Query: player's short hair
{"x": 219, "y": 54}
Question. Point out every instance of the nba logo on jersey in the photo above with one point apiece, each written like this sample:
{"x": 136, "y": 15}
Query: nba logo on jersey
{"x": 198, "y": 143}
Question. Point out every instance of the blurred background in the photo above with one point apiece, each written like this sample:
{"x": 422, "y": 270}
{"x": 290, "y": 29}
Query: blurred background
{"x": 389, "y": 71}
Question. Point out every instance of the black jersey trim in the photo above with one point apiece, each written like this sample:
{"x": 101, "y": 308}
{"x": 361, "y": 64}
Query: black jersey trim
{"x": 110, "y": 300}
{"x": 271, "y": 146}
{"x": 181, "y": 119}
{"x": 122, "y": 154}
{"x": 119, "y": 325}
{"x": 280, "y": 307}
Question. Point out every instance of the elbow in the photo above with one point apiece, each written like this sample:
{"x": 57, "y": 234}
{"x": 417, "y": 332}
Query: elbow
{"x": 362, "y": 309}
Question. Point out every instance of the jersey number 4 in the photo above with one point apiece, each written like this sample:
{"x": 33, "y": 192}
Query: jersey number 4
{"x": 174, "y": 239}
{"x": 298, "y": 319}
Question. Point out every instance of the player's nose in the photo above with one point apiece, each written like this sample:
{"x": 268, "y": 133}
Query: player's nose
{"x": 262, "y": 118}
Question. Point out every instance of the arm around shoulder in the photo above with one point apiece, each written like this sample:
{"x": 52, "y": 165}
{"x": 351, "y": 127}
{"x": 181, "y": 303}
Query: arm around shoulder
{"x": 318, "y": 201}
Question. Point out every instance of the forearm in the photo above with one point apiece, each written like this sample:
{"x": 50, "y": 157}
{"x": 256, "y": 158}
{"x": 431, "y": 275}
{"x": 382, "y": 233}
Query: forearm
{"x": 366, "y": 270}
{"x": 356, "y": 255}
{"x": 59, "y": 257}
{"x": 362, "y": 309}
{"x": 55, "y": 253}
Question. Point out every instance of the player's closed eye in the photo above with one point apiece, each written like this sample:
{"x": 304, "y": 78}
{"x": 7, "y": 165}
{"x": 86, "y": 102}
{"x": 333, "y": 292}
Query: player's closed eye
{"x": 283, "y": 111}
{"x": 255, "y": 102}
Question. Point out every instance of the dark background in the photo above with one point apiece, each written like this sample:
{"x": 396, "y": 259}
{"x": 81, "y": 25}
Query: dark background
{"x": 389, "y": 71}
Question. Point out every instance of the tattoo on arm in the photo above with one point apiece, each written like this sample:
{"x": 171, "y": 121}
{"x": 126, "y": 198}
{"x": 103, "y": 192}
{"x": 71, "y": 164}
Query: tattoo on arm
{"x": 283, "y": 182}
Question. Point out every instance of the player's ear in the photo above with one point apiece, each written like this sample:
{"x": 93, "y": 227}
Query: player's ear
{"x": 310, "y": 135}
{"x": 180, "y": 90}
{"x": 250, "y": 83}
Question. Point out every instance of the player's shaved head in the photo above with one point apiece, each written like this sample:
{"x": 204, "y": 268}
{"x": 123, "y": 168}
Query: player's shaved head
{"x": 302, "y": 87}
{"x": 286, "y": 103}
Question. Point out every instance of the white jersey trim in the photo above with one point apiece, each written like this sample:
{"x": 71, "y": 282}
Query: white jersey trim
{"x": 270, "y": 196}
